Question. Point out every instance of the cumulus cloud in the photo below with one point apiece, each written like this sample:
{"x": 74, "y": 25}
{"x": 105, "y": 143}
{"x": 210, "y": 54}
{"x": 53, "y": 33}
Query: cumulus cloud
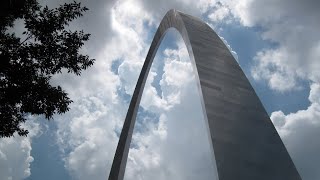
{"x": 293, "y": 29}
{"x": 279, "y": 75}
{"x": 219, "y": 14}
{"x": 88, "y": 136}
{"x": 299, "y": 132}
{"x": 88, "y": 133}
{"x": 292, "y": 26}
{"x": 161, "y": 151}
{"x": 15, "y": 153}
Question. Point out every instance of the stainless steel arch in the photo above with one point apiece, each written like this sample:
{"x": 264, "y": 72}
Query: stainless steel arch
{"x": 246, "y": 144}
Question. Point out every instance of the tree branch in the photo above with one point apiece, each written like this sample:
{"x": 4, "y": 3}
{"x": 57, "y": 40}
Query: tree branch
{"x": 25, "y": 40}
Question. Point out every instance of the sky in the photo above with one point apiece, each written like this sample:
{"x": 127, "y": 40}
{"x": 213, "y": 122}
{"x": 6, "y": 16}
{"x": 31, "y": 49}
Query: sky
{"x": 275, "y": 42}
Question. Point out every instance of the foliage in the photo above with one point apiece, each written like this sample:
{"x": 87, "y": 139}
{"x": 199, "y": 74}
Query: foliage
{"x": 27, "y": 66}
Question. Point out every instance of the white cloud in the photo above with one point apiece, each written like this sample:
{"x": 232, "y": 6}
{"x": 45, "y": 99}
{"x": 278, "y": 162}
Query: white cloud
{"x": 161, "y": 151}
{"x": 129, "y": 73}
{"x": 268, "y": 66}
{"x": 15, "y": 153}
{"x": 299, "y": 132}
{"x": 293, "y": 27}
{"x": 88, "y": 133}
{"x": 219, "y": 14}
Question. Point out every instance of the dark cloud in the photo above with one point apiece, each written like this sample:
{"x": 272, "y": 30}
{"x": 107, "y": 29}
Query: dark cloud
{"x": 96, "y": 21}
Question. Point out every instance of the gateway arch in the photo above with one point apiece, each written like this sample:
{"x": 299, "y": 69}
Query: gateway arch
{"x": 245, "y": 144}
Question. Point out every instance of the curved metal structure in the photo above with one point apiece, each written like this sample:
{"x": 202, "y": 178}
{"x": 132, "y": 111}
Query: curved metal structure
{"x": 246, "y": 144}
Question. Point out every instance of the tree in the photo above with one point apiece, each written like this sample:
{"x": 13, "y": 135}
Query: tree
{"x": 26, "y": 66}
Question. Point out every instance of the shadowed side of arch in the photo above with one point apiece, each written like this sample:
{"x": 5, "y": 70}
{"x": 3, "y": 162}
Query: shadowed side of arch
{"x": 245, "y": 142}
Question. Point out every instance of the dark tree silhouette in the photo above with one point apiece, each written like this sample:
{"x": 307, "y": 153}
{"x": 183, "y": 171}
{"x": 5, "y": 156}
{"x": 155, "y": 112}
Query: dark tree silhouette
{"x": 26, "y": 65}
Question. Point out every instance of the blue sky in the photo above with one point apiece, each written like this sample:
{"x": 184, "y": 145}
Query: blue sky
{"x": 276, "y": 44}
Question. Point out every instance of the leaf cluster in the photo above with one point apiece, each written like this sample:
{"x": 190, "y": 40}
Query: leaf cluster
{"x": 26, "y": 66}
